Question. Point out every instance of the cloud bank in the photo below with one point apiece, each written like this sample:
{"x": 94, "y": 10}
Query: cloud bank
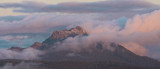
{"x": 38, "y": 23}
{"x": 139, "y": 33}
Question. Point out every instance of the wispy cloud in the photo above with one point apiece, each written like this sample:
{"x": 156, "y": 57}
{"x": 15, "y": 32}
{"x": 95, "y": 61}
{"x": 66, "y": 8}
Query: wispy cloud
{"x": 12, "y": 38}
{"x": 82, "y": 7}
{"x": 11, "y": 18}
{"x": 42, "y": 23}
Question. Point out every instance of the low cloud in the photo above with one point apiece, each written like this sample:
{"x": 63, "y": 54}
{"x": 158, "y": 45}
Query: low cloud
{"x": 39, "y": 23}
{"x": 27, "y": 54}
{"x": 139, "y": 32}
{"x": 136, "y": 48}
{"x": 22, "y": 65}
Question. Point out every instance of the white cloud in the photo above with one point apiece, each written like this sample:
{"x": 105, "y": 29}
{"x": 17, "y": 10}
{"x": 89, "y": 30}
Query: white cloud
{"x": 22, "y": 65}
{"x": 41, "y": 23}
{"x": 27, "y": 54}
{"x": 140, "y": 31}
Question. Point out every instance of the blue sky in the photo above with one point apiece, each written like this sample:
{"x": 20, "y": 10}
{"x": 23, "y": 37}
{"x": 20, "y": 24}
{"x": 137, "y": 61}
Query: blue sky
{"x": 23, "y": 22}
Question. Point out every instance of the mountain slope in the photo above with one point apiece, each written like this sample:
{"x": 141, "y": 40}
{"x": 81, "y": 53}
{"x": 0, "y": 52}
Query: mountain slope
{"x": 59, "y": 36}
{"x": 97, "y": 51}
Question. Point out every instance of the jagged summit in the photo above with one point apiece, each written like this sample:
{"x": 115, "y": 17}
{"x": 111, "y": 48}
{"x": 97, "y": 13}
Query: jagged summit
{"x": 61, "y": 35}
{"x": 65, "y": 33}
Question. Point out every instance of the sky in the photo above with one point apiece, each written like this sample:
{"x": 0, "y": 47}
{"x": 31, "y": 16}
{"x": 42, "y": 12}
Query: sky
{"x": 9, "y": 11}
{"x": 23, "y": 22}
{"x": 6, "y": 12}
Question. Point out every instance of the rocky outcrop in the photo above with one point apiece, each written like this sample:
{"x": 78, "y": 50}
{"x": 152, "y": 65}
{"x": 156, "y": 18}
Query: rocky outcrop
{"x": 37, "y": 45}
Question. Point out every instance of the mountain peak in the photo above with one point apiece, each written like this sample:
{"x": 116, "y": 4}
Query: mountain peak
{"x": 97, "y": 51}
{"x": 63, "y": 34}
{"x": 77, "y": 28}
